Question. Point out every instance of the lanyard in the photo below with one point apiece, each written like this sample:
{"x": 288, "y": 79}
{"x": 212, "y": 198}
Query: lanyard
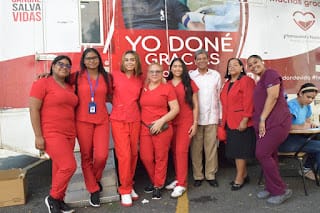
{"x": 92, "y": 91}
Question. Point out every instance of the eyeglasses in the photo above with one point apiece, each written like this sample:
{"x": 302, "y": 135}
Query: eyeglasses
{"x": 157, "y": 72}
{"x": 63, "y": 65}
{"x": 93, "y": 58}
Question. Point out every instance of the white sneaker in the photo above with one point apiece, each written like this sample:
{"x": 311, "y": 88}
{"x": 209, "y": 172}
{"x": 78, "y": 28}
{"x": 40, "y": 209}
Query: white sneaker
{"x": 263, "y": 194}
{"x": 178, "y": 191}
{"x": 126, "y": 200}
{"x": 134, "y": 195}
{"x": 172, "y": 185}
{"x": 280, "y": 198}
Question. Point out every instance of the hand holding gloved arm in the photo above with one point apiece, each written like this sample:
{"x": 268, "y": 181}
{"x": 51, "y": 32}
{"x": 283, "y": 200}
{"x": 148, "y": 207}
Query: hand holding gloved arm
{"x": 217, "y": 17}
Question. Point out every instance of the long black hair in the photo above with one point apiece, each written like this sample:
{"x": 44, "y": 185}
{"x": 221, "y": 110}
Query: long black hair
{"x": 56, "y": 60}
{"x": 107, "y": 77}
{"x": 186, "y": 81}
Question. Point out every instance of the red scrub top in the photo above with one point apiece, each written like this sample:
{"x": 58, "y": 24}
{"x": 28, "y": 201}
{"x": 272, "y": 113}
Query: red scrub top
{"x": 154, "y": 103}
{"x": 186, "y": 112}
{"x": 126, "y": 93}
{"x": 100, "y": 96}
{"x": 58, "y": 106}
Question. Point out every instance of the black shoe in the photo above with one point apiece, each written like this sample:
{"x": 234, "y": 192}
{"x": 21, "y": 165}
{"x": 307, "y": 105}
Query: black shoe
{"x": 245, "y": 180}
{"x": 213, "y": 183}
{"x": 65, "y": 208}
{"x": 149, "y": 189}
{"x": 100, "y": 186}
{"x": 156, "y": 194}
{"x": 197, "y": 183}
{"x": 236, "y": 186}
{"x": 52, "y": 204}
{"x": 95, "y": 199}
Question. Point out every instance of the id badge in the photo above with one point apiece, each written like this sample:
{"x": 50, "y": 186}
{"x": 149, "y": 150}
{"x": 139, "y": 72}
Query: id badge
{"x": 92, "y": 108}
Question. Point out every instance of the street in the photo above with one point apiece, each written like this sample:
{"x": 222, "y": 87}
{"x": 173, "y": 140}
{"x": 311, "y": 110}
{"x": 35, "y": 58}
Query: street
{"x": 197, "y": 199}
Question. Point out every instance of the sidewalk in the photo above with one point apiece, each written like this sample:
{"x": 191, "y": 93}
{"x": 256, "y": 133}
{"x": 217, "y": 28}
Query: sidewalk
{"x": 202, "y": 199}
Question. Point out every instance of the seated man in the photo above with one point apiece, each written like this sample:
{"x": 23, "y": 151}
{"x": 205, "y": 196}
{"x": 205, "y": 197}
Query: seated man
{"x": 301, "y": 112}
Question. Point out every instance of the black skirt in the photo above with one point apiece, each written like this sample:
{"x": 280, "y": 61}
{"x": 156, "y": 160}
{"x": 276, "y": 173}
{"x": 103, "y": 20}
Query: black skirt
{"x": 240, "y": 145}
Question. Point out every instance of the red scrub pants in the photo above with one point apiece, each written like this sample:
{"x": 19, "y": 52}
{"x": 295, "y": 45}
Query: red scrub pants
{"x": 154, "y": 154}
{"x": 60, "y": 149}
{"x": 180, "y": 151}
{"x": 94, "y": 148}
{"x": 126, "y": 137}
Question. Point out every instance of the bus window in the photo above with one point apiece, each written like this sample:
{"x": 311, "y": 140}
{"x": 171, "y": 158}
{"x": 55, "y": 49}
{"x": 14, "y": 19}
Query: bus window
{"x": 91, "y": 22}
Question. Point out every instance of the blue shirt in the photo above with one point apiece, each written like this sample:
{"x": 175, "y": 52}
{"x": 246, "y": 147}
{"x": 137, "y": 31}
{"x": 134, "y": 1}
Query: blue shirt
{"x": 300, "y": 113}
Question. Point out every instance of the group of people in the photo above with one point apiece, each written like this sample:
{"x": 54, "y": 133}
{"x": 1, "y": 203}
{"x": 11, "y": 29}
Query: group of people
{"x": 151, "y": 116}
{"x": 64, "y": 106}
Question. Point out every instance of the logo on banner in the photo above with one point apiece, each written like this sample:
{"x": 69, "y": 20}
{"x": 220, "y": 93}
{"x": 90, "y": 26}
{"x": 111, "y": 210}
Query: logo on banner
{"x": 304, "y": 20}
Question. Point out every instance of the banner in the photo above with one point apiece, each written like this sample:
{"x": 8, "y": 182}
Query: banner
{"x": 285, "y": 33}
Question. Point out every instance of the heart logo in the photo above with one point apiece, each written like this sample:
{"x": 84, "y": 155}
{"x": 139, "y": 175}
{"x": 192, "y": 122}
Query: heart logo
{"x": 304, "y": 20}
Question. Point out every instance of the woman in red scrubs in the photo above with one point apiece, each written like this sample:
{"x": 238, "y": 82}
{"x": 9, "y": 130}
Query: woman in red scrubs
{"x": 184, "y": 124}
{"x": 125, "y": 122}
{"x": 52, "y": 103}
{"x": 159, "y": 105}
{"x": 92, "y": 120}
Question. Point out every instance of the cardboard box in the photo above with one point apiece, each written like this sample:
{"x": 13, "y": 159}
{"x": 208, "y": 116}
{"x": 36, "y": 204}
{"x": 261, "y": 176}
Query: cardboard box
{"x": 13, "y": 187}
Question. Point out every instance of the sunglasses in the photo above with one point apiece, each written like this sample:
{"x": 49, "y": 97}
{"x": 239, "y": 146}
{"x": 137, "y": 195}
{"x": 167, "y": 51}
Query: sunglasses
{"x": 62, "y": 65}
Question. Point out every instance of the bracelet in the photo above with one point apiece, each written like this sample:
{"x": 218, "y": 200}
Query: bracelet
{"x": 186, "y": 21}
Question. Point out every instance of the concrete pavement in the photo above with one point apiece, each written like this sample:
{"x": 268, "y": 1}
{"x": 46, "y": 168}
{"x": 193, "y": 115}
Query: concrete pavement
{"x": 197, "y": 199}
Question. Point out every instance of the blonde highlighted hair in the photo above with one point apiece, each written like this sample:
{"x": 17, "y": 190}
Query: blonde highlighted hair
{"x": 137, "y": 69}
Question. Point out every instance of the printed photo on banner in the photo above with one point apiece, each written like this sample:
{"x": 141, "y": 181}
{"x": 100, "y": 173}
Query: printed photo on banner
{"x": 193, "y": 15}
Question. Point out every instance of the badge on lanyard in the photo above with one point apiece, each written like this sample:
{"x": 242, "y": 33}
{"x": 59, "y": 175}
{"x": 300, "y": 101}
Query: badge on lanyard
{"x": 92, "y": 104}
{"x": 92, "y": 107}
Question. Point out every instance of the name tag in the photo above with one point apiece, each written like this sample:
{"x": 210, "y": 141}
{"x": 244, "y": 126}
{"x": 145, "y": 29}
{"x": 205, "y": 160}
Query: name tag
{"x": 92, "y": 108}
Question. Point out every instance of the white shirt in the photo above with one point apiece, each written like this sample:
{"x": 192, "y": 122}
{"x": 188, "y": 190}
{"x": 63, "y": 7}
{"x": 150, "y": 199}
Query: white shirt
{"x": 209, "y": 91}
